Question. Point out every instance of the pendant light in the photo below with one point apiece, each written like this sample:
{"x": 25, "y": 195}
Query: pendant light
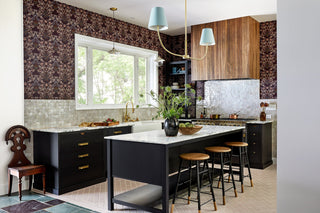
{"x": 113, "y": 51}
{"x": 158, "y": 22}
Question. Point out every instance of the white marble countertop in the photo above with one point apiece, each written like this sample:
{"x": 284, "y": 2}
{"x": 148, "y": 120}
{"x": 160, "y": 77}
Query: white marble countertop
{"x": 159, "y": 137}
{"x": 260, "y": 122}
{"x": 77, "y": 128}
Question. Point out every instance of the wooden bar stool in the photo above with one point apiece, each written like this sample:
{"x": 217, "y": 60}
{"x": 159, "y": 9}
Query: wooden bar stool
{"x": 243, "y": 159}
{"x": 225, "y": 159}
{"x": 197, "y": 157}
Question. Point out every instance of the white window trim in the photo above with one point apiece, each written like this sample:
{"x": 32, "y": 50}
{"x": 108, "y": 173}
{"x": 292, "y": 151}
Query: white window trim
{"x": 100, "y": 44}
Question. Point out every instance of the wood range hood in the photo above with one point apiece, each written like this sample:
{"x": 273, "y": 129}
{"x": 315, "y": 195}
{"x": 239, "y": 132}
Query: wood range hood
{"x": 236, "y": 54}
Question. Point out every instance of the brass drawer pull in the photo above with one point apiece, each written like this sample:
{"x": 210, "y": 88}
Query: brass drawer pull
{"x": 83, "y": 167}
{"x": 254, "y": 134}
{"x": 83, "y": 156}
{"x": 83, "y": 144}
{"x": 117, "y": 132}
{"x": 254, "y": 143}
{"x": 244, "y": 135}
{"x": 82, "y": 133}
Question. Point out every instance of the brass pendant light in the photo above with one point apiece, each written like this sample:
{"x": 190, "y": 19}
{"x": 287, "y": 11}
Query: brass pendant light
{"x": 113, "y": 51}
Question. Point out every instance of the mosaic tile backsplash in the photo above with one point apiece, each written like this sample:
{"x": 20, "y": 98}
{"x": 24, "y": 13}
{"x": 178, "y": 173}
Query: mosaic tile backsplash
{"x": 63, "y": 113}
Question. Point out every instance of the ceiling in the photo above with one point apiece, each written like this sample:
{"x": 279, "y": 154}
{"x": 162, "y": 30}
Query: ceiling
{"x": 199, "y": 11}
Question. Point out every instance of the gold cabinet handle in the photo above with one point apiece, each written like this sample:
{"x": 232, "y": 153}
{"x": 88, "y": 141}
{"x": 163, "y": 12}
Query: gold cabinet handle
{"x": 244, "y": 135}
{"x": 254, "y": 134}
{"x": 254, "y": 143}
{"x": 117, "y": 132}
{"x": 82, "y": 133}
{"x": 83, "y": 167}
{"x": 254, "y": 152}
{"x": 83, "y": 156}
{"x": 83, "y": 144}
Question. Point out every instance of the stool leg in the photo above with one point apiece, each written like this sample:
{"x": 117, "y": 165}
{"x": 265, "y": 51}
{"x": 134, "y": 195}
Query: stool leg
{"x": 222, "y": 178}
{"x": 190, "y": 181}
{"x": 9, "y": 183}
{"x": 175, "y": 192}
{"x": 44, "y": 182}
{"x": 30, "y": 182}
{"x": 241, "y": 168}
{"x": 198, "y": 187}
{"x": 211, "y": 189}
{"x": 246, "y": 150}
{"x": 231, "y": 174}
{"x": 20, "y": 183}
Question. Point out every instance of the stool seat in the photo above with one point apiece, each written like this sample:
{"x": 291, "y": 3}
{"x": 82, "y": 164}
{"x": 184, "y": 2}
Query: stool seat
{"x": 237, "y": 144}
{"x": 194, "y": 156}
{"x": 218, "y": 149}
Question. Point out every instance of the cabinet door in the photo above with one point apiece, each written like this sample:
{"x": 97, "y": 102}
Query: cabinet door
{"x": 254, "y": 134}
{"x": 236, "y": 53}
{"x": 117, "y": 130}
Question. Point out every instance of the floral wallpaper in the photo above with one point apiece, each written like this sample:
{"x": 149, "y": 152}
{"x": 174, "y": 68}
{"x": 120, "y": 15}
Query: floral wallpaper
{"x": 268, "y": 60}
{"x": 49, "y": 29}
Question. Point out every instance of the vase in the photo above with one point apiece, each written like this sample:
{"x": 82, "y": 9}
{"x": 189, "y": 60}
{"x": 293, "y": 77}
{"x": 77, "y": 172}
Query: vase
{"x": 263, "y": 116}
{"x": 171, "y": 126}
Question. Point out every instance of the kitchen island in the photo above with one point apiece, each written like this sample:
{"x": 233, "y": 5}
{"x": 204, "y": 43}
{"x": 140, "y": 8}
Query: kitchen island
{"x": 152, "y": 158}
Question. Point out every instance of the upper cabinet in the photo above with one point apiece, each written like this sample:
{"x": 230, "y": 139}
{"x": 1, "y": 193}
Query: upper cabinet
{"x": 235, "y": 55}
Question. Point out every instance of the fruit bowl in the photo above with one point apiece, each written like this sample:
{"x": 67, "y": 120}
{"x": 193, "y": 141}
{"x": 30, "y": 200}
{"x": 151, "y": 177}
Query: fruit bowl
{"x": 189, "y": 130}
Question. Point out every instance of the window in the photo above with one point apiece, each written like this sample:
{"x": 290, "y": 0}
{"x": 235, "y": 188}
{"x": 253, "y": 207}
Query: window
{"x": 104, "y": 80}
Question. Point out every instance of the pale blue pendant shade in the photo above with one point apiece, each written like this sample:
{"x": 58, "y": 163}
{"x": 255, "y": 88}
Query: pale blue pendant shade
{"x": 157, "y": 18}
{"x": 207, "y": 37}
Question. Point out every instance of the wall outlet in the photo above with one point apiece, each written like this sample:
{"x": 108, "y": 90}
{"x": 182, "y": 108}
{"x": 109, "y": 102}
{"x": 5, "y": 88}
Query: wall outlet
{"x": 268, "y": 116}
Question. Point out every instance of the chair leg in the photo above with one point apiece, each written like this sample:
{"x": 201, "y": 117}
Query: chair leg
{"x": 198, "y": 187}
{"x": 9, "y": 183}
{"x": 190, "y": 181}
{"x": 222, "y": 178}
{"x": 211, "y": 189}
{"x": 20, "y": 183}
{"x": 231, "y": 174}
{"x": 30, "y": 182}
{"x": 246, "y": 150}
{"x": 44, "y": 182}
{"x": 177, "y": 185}
{"x": 241, "y": 168}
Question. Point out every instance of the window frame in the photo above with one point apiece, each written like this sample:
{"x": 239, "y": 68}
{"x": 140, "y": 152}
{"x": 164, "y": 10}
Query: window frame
{"x": 91, "y": 43}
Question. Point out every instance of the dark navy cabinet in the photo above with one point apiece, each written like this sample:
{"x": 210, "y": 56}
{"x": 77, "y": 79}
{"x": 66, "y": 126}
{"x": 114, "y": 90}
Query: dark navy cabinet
{"x": 74, "y": 159}
{"x": 259, "y": 138}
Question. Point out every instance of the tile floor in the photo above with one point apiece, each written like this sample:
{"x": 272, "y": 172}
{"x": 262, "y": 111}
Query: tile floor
{"x": 34, "y": 202}
{"x": 258, "y": 199}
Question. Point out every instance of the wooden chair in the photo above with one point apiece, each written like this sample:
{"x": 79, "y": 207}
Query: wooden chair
{"x": 19, "y": 165}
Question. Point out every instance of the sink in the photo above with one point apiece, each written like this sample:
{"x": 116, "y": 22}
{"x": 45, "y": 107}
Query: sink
{"x": 147, "y": 125}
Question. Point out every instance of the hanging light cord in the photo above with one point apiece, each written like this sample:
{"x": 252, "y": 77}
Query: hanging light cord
{"x": 185, "y": 56}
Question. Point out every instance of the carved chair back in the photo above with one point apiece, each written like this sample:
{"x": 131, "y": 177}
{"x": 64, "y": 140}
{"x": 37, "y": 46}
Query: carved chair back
{"x": 17, "y": 135}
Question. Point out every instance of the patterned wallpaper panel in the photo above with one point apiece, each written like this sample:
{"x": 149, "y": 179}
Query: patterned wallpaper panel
{"x": 49, "y": 29}
{"x": 268, "y": 60}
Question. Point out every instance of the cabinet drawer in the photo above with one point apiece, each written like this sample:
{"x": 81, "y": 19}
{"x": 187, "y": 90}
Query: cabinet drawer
{"x": 92, "y": 154}
{"x": 79, "y": 141}
{"x": 80, "y": 173}
{"x": 117, "y": 130}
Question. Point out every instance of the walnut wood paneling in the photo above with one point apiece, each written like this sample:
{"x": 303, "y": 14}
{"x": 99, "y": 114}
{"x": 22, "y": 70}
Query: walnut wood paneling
{"x": 235, "y": 55}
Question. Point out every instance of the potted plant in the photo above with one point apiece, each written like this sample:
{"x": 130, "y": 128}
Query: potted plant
{"x": 170, "y": 106}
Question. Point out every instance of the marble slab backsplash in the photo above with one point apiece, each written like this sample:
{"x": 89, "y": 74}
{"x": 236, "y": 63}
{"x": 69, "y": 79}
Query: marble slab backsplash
{"x": 63, "y": 113}
{"x": 233, "y": 96}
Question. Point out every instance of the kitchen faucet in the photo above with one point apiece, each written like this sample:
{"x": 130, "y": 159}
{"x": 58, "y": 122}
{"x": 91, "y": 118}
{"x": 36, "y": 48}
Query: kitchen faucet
{"x": 126, "y": 116}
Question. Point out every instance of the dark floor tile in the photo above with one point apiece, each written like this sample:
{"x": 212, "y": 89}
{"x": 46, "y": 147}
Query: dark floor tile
{"x": 26, "y": 207}
{"x": 54, "y": 202}
{"x": 7, "y": 201}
